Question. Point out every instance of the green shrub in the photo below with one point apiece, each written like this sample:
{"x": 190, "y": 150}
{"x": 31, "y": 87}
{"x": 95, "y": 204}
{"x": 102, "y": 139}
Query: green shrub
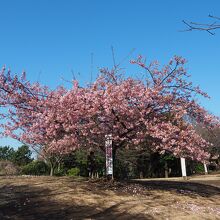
{"x": 73, "y": 171}
{"x": 199, "y": 168}
{"x": 37, "y": 168}
{"x": 60, "y": 172}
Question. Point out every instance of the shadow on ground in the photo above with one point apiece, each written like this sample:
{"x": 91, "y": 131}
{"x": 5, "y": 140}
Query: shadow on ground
{"x": 28, "y": 202}
{"x": 54, "y": 199}
{"x": 192, "y": 189}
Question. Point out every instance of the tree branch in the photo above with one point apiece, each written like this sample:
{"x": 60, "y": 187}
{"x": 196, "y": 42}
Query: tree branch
{"x": 209, "y": 27}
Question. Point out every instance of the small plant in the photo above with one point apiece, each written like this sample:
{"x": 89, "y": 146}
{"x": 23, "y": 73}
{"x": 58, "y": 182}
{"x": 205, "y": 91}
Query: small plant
{"x": 60, "y": 172}
{"x": 199, "y": 168}
{"x": 73, "y": 172}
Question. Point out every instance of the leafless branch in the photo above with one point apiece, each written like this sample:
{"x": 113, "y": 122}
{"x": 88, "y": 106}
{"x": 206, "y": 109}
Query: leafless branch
{"x": 73, "y": 74}
{"x": 113, "y": 57}
{"x": 91, "y": 71}
{"x": 126, "y": 57}
{"x": 65, "y": 80}
{"x": 217, "y": 18}
{"x": 208, "y": 27}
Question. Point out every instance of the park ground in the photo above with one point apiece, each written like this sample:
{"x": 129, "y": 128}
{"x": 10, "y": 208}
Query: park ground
{"x": 27, "y": 197}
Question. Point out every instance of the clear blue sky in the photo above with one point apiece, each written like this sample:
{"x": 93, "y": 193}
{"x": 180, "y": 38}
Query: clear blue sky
{"x": 49, "y": 38}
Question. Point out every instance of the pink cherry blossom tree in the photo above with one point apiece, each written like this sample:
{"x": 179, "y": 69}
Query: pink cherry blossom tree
{"x": 24, "y": 106}
{"x": 156, "y": 113}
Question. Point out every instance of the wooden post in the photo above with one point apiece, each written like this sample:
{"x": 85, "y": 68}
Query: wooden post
{"x": 205, "y": 168}
{"x": 183, "y": 168}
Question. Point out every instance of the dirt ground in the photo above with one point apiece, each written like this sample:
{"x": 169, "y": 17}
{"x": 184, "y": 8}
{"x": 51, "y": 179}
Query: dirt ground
{"x": 68, "y": 198}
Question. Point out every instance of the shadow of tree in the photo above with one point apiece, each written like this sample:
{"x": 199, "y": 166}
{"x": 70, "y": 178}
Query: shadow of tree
{"x": 112, "y": 213}
{"x": 54, "y": 198}
{"x": 191, "y": 189}
{"x": 27, "y": 202}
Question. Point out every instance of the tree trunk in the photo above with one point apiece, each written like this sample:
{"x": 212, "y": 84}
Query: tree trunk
{"x": 51, "y": 170}
{"x": 141, "y": 175}
{"x": 149, "y": 169}
{"x": 114, "y": 149}
{"x": 59, "y": 166}
{"x": 166, "y": 169}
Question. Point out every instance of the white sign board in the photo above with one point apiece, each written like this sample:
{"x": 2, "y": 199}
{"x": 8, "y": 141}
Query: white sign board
{"x": 108, "y": 151}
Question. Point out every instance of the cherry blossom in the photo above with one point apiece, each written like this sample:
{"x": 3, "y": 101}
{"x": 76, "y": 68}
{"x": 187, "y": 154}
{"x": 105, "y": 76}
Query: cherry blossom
{"x": 158, "y": 113}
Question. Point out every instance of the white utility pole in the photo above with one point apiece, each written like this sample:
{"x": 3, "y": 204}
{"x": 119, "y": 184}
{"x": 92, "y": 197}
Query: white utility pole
{"x": 205, "y": 168}
{"x": 183, "y": 167}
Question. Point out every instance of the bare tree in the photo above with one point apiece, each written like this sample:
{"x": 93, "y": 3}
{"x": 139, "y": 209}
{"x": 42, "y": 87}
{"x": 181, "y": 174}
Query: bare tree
{"x": 209, "y": 27}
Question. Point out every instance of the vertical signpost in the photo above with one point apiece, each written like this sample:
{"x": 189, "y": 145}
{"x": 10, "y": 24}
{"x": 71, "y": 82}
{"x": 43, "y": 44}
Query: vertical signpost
{"x": 108, "y": 156}
{"x": 183, "y": 167}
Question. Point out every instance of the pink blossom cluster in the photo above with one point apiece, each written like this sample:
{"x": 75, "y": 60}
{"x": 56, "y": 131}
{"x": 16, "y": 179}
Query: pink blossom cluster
{"x": 159, "y": 112}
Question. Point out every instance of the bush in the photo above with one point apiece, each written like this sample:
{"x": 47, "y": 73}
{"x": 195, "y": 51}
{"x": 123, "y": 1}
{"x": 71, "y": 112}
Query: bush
{"x": 8, "y": 168}
{"x": 199, "y": 168}
{"x": 73, "y": 172}
{"x": 37, "y": 168}
{"x": 60, "y": 172}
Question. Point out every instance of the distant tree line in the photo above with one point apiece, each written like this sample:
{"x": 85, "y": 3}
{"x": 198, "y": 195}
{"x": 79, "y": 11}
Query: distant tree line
{"x": 129, "y": 163}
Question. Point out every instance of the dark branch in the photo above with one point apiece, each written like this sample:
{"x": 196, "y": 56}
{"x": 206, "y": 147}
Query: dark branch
{"x": 209, "y": 27}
